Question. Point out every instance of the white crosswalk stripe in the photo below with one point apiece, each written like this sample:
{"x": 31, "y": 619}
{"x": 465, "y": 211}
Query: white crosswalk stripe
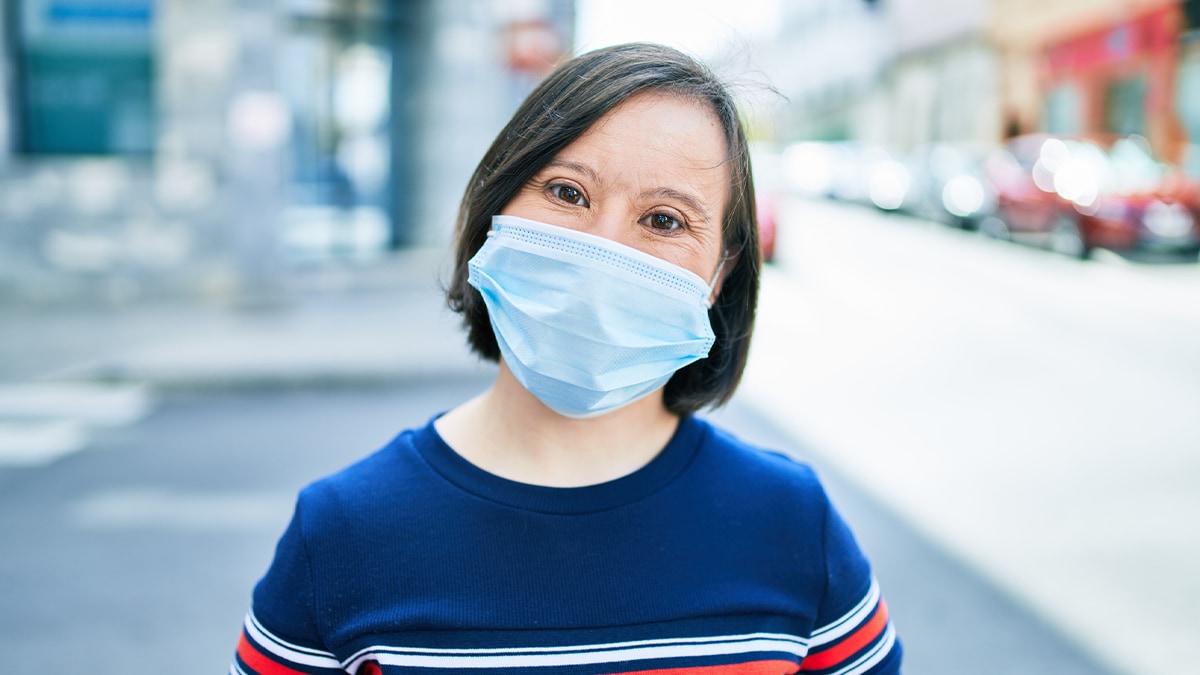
{"x": 45, "y": 421}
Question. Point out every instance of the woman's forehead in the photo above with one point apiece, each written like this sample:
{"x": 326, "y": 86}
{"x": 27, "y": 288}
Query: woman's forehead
{"x": 653, "y": 134}
{"x": 664, "y": 114}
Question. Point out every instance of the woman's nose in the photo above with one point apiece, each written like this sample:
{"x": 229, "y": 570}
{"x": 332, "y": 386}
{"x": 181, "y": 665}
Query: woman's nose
{"x": 618, "y": 227}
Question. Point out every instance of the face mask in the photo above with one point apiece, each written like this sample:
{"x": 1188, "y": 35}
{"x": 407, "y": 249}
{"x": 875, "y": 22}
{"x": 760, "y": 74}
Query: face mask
{"x": 587, "y": 325}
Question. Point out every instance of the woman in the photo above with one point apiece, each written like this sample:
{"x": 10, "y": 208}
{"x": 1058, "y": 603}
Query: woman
{"x": 576, "y": 517}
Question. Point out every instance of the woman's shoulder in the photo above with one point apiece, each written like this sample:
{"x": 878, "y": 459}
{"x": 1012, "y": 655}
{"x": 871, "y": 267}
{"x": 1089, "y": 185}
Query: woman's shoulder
{"x": 379, "y": 480}
{"x": 727, "y": 445}
{"x": 757, "y": 469}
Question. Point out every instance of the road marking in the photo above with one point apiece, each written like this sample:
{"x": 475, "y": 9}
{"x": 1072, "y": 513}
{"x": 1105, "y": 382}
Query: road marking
{"x": 45, "y": 421}
{"x": 29, "y": 444}
{"x": 95, "y": 404}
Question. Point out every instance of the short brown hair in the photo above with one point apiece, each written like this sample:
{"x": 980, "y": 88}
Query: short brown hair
{"x": 565, "y": 105}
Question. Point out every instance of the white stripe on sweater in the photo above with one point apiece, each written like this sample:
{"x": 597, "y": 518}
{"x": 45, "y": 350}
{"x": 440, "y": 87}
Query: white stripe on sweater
{"x": 851, "y": 620}
{"x": 286, "y": 650}
{"x": 580, "y": 654}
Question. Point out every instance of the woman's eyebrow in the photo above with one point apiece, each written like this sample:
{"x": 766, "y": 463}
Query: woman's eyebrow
{"x": 575, "y": 166}
{"x": 671, "y": 193}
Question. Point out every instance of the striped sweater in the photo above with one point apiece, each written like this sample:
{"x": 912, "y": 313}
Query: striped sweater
{"x": 715, "y": 558}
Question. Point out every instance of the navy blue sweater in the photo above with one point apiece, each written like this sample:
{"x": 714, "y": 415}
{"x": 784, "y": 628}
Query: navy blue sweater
{"x": 714, "y": 558}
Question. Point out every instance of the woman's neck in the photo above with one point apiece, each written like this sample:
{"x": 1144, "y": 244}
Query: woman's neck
{"x": 508, "y": 432}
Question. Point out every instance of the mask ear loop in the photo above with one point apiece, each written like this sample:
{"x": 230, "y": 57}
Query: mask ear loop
{"x": 716, "y": 275}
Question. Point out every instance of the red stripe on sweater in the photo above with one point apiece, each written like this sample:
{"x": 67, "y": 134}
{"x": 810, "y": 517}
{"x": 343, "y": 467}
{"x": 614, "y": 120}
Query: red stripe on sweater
{"x": 853, "y": 642}
{"x": 261, "y": 663}
{"x": 752, "y": 668}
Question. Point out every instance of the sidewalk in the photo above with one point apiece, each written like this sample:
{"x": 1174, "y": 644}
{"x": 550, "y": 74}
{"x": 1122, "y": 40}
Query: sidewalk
{"x": 68, "y": 371}
{"x": 338, "y": 324}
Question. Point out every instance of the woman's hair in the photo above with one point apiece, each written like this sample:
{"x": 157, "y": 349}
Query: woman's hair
{"x": 565, "y": 105}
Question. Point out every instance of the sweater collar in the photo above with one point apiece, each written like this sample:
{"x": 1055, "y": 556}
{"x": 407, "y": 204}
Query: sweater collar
{"x": 659, "y": 472}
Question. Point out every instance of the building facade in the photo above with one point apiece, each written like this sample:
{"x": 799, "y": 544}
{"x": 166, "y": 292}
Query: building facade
{"x": 170, "y": 146}
{"x": 1096, "y": 66}
{"x": 942, "y": 79}
{"x": 826, "y": 60}
{"x": 891, "y": 73}
{"x": 906, "y": 73}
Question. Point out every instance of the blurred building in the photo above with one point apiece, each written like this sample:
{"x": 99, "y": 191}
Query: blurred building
{"x": 826, "y": 60}
{"x": 896, "y": 73}
{"x": 1088, "y": 66}
{"x": 942, "y": 80}
{"x": 907, "y": 73}
{"x": 171, "y": 146}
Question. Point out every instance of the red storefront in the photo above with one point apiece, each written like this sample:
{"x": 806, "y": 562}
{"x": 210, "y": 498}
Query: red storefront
{"x": 1118, "y": 78}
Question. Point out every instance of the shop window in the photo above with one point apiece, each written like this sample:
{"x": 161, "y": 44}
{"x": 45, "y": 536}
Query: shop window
{"x": 1187, "y": 102}
{"x": 84, "y": 76}
{"x": 1191, "y": 15}
{"x": 341, "y": 67}
{"x": 1063, "y": 113}
{"x": 1125, "y": 106}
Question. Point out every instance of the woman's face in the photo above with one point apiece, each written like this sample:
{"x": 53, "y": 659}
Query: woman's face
{"x": 650, "y": 174}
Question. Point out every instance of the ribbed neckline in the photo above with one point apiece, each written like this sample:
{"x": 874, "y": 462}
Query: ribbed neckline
{"x": 655, "y": 475}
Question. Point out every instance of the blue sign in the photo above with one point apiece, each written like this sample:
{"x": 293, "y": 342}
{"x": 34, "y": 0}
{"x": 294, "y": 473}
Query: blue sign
{"x": 86, "y": 83}
{"x": 64, "y": 11}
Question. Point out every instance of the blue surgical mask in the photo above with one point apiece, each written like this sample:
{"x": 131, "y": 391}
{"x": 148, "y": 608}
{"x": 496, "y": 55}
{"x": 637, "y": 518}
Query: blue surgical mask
{"x": 587, "y": 325}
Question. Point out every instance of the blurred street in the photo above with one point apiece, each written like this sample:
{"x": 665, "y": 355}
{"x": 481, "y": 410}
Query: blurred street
{"x": 139, "y": 554}
{"x": 225, "y": 233}
{"x": 1034, "y": 415}
{"x": 996, "y": 441}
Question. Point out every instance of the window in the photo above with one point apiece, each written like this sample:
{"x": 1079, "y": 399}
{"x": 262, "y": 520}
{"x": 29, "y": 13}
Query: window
{"x": 84, "y": 76}
{"x": 1062, "y": 110}
{"x": 1187, "y": 102}
{"x": 1125, "y": 106}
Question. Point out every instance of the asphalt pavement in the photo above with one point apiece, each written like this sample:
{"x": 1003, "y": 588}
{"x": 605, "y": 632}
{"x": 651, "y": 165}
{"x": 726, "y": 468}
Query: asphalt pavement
{"x": 149, "y": 454}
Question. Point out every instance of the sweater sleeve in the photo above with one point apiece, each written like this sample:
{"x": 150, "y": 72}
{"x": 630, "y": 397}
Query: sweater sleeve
{"x": 853, "y": 633}
{"x": 280, "y": 634}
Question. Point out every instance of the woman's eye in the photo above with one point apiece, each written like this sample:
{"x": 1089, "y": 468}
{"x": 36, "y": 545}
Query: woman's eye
{"x": 662, "y": 221}
{"x": 569, "y": 194}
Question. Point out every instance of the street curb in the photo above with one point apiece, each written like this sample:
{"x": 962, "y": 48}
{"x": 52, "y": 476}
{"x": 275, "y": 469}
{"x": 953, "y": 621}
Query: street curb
{"x": 273, "y": 382}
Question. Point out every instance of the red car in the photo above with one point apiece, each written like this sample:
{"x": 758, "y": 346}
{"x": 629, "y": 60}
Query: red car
{"x": 768, "y": 190}
{"x": 1075, "y": 194}
{"x": 766, "y": 209}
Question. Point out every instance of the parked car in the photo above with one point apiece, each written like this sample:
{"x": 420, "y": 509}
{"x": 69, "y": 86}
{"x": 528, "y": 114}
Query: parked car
{"x": 766, "y": 208}
{"x": 948, "y": 184}
{"x": 838, "y": 170}
{"x": 769, "y": 189}
{"x": 1076, "y": 194}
